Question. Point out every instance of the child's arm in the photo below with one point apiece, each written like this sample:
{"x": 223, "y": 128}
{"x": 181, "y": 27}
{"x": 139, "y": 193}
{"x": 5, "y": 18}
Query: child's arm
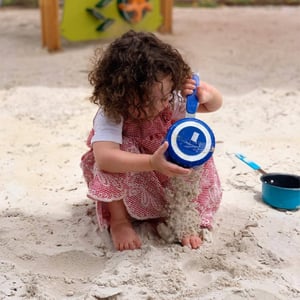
{"x": 209, "y": 97}
{"x": 110, "y": 158}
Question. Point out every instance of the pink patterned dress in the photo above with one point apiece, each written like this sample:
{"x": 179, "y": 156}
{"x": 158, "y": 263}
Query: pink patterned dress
{"x": 143, "y": 192}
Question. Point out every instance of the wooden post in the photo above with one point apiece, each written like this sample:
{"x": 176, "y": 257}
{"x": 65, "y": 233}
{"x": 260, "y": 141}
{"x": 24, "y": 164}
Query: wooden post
{"x": 50, "y": 24}
{"x": 167, "y": 12}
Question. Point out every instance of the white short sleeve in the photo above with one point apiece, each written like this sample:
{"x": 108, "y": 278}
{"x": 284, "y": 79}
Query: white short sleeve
{"x": 105, "y": 130}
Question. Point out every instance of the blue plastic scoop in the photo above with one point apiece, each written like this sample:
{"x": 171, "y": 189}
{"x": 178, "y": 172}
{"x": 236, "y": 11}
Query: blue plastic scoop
{"x": 191, "y": 141}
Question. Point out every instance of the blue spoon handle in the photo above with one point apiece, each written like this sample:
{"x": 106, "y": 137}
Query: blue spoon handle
{"x": 250, "y": 163}
{"x": 192, "y": 101}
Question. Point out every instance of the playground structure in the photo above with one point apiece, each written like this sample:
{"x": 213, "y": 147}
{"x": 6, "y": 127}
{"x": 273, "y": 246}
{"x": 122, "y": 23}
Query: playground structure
{"x": 131, "y": 12}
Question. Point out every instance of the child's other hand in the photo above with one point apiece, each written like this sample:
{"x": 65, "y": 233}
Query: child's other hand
{"x": 160, "y": 164}
{"x": 188, "y": 87}
{"x": 209, "y": 97}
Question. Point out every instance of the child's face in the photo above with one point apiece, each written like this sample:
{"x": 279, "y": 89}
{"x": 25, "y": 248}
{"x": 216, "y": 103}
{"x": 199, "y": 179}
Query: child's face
{"x": 161, "y": 96}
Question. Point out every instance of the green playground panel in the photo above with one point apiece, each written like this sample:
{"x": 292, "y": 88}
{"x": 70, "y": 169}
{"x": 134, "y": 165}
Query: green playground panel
{"x": 90, "y": 20}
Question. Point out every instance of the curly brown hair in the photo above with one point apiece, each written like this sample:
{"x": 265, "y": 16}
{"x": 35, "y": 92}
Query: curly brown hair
{"x": 124, "y": 73}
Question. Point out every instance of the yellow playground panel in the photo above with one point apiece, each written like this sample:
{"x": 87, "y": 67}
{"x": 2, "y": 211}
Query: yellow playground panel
{"x": 92, "y": 19}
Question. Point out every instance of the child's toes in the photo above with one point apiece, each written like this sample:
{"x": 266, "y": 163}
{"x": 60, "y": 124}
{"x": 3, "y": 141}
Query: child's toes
{"x": 195, "y": 242}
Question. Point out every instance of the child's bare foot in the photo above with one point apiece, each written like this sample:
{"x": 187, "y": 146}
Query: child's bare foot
{"x": 192, "y": 241}
{"x": 124, "y": 236}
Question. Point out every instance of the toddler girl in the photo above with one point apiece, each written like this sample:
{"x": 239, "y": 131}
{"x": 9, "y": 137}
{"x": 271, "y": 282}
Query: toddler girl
{"x": 140, "y": 84}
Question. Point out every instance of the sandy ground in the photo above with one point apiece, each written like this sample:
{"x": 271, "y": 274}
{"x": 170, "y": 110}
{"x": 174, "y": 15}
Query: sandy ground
{"x": 50, "y": 247}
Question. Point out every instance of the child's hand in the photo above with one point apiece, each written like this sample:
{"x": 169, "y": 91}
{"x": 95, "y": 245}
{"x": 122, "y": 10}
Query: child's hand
{"x": 208, "y": 96}
{"x": 159, "y": 163}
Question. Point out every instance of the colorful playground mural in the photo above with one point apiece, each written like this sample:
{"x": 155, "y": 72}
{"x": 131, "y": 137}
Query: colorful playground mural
{"x": 90, "y": 19}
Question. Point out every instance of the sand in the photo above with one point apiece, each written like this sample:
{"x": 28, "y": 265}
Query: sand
{"x": 50, "y": 245}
